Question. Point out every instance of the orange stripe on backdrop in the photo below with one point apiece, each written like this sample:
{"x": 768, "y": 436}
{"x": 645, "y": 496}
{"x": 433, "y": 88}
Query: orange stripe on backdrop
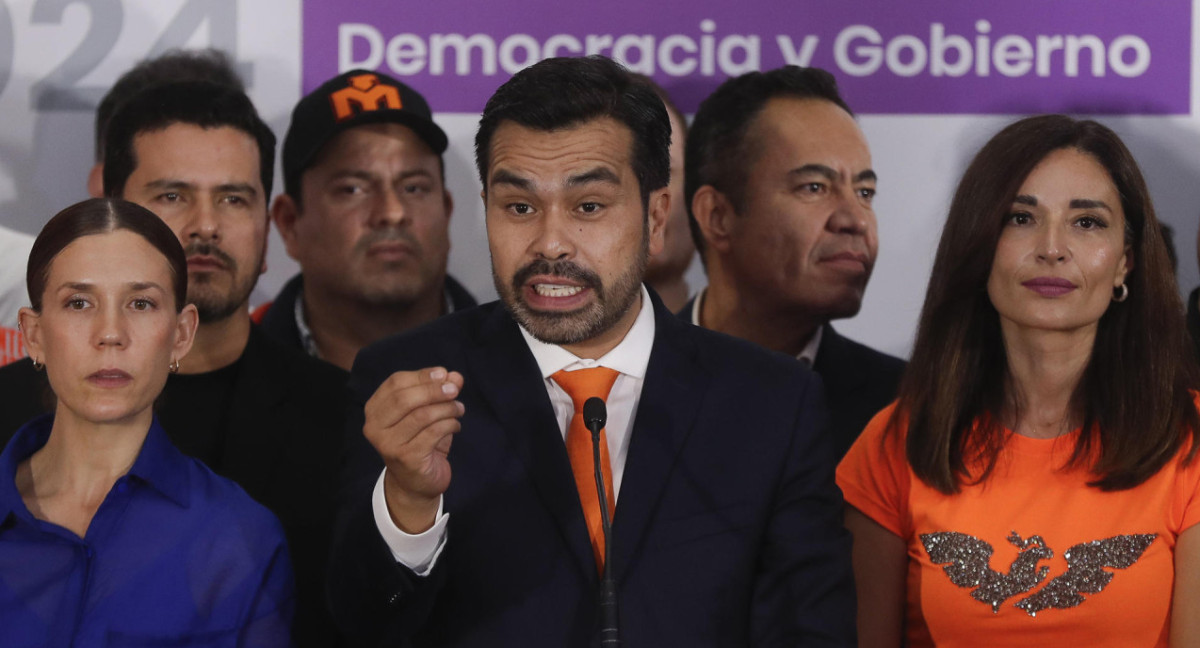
{"x": 12, "y": 348}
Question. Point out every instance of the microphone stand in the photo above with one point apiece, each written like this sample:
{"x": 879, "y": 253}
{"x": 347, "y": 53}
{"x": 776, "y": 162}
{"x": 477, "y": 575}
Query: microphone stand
{"x": 595, "y": 415}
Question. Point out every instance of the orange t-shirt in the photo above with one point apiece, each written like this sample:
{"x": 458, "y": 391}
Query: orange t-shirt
{"x": 1032, "y": 556}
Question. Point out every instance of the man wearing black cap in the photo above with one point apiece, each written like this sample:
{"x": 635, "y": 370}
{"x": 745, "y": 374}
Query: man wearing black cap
{"x": 366, "y": 214}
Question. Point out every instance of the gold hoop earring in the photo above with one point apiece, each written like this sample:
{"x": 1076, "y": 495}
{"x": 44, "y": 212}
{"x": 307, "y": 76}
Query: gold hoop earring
{"x": 1120, "y": 293}
{"x": 174, "y": 366}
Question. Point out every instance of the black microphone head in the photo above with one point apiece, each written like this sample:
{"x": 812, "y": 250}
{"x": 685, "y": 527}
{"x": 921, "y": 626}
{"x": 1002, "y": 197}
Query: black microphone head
{"x": 595, "y": 414}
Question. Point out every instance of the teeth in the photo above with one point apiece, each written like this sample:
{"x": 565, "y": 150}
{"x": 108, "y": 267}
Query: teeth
{"x": 553, "y": 290}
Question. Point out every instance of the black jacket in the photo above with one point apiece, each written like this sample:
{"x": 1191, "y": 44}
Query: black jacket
{"x": 859, "y": 381}
{"x": 280, "y": 319}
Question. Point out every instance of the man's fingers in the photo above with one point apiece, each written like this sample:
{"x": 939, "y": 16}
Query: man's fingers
{"x": 420, "y": 466}
{"x": 426, "y": 418}
{"x": 404, "y": 392}
{"x": 411, "y": 435}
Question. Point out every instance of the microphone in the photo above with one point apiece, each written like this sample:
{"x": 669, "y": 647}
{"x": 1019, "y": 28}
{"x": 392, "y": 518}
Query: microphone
{"x": 595, "y": 414}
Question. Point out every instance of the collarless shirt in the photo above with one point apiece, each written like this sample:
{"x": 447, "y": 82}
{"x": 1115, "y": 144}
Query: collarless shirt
{"x": 630, "y": 357}
{"x": 807, "y": 355}
{"x": 173, "y": 554}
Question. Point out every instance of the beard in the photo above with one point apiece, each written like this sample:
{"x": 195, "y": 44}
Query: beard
{"x": 213, "y": 302}
{"x": 572, "y": 327}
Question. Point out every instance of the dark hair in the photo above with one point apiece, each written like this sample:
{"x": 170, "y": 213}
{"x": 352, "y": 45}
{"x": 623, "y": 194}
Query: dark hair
{"x": 101, "y": 216}
{"x": 203, "y": 104}
{"x": 666, "y": 99}
{"x": 176, "y": 65}
{"x": 1134, "y": 398}
{"x": 717, "y": 151}
{"x": 560, "y": 93}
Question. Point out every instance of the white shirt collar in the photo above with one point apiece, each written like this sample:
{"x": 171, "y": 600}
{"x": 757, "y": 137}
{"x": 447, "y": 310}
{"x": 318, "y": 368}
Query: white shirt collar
{"x": 808, "y": 355}
{"x": 630, "y": 356}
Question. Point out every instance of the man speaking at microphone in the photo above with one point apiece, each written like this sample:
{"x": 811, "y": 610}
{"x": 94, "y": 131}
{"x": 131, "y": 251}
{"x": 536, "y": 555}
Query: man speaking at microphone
{"x": 482, "y": 530}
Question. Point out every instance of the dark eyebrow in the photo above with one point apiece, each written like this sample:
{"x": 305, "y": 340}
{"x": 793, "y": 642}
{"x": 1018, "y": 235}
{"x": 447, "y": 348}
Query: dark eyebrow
{"x": 167, "y": 184}
{"x": 237, "y": 187}
{"x": 1089, "y": 203}
{"x": 367, "y": 176}
{"x": 144, "y": 285}
{"x": 413, "y": 173}
{"x": 830, "y": 174}
{"x": 352, "y": 173}
{"x": 504, "y": 177}
{"x": 819, "y": 169}
{"x": 599, "y": 174}
{"x": 83, "y": 286}
{"x": 177, "y": 185}
{"x": 1076, "y": 203}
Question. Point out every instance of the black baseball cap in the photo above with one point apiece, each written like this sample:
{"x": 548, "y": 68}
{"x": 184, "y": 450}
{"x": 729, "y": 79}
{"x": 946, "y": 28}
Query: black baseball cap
{"x": 352, "y": 99}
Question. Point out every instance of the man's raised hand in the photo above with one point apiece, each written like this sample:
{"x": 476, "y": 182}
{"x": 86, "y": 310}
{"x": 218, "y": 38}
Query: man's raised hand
{"x": 411, "y": 420}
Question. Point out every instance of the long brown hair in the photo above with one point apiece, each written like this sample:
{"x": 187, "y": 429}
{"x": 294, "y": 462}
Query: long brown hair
{"x": 1134, "y": 397}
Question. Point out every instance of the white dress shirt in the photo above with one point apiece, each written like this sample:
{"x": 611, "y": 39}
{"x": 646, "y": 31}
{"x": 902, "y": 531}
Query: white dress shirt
{"x": 807, "y": 355}
{"x": 630, "y": 357}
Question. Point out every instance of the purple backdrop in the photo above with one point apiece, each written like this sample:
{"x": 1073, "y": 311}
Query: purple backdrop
{"x": 889, "y": 57}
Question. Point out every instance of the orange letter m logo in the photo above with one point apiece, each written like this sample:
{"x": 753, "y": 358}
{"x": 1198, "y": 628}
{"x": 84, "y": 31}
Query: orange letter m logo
{"x": 365, "y": 91}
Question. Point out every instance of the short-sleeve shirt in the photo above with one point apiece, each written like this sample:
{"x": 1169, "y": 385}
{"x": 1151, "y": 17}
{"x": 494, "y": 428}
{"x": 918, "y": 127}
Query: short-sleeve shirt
{"x": 174, "y": 556}
{"x": 1032, "y": 556}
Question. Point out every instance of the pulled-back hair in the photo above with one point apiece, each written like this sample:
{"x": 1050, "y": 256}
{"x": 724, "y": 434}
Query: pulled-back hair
{"x": 101, "y": 216}
{"x": 199, "y": 103}
{"x": 561, "y": 93}
{"x": 1135, "y": 397}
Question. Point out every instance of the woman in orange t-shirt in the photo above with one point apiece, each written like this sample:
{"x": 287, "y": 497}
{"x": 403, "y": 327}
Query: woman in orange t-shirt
{"x": 1036, "y": 481}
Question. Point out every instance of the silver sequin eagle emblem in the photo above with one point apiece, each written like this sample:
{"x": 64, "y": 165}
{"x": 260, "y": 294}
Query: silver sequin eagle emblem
{"x": 966, "y": 561}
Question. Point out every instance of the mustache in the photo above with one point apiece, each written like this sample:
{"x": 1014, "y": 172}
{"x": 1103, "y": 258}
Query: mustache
{"x": 203, "y": 248}
{"x": 388, "y": 235}
{"x": 565, "y": 269}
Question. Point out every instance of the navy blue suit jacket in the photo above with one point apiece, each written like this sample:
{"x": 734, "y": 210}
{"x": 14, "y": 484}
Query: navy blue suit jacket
{"x": 859, "y": 381}
{"x": 727, "y": 530}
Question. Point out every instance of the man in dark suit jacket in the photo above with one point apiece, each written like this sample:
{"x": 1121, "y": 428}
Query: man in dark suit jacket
{"x": 726, "y": 529}
{"x": 265, "y": 416}
{"x": 779, "y": 187}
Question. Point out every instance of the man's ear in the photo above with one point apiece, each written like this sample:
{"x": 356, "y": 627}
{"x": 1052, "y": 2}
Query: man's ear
{"x": 185, "y": 331}
{"x": 29, "y": 321}
{"x": 262, "y": 270}
{"x": 714, "y": 215}
{"x": 284, "y": 212}
{"x": 657, "y": 212}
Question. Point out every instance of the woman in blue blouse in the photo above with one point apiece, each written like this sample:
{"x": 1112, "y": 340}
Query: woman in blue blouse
{"x": 108, "y": 534}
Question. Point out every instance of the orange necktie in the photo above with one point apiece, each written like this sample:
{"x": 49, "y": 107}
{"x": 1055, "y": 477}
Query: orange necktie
{"x": 581, "y": 385}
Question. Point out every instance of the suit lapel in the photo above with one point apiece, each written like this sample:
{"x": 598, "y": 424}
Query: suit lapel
{"x": 672, "y": 393}
{"x": 510, "y": 382}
